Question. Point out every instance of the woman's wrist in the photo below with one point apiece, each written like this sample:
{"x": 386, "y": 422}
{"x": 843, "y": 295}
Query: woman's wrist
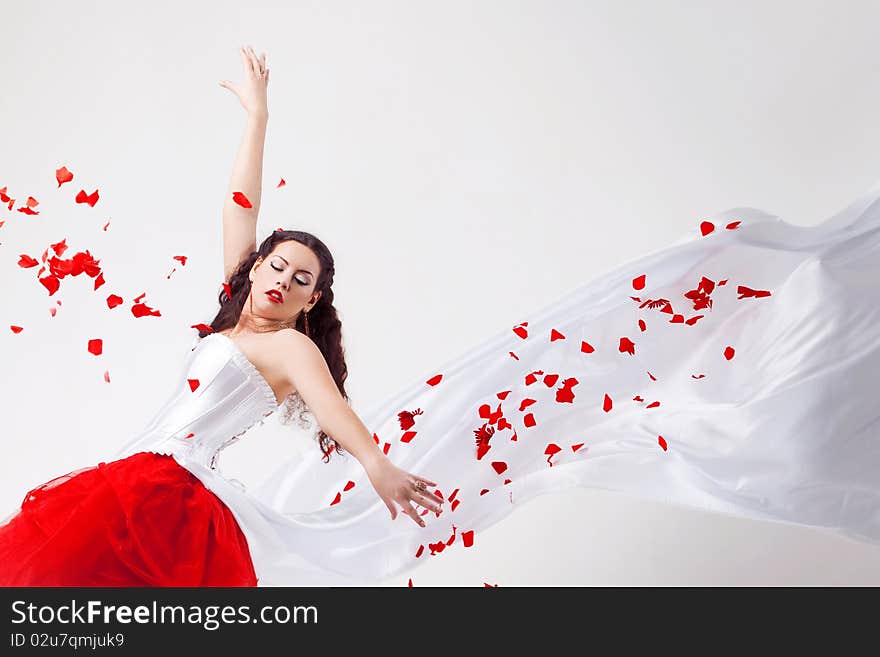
{"x": 374, "y": 460}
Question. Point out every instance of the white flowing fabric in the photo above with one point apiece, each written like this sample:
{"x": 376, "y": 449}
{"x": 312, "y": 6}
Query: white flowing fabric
{"x": 762, "y": 407}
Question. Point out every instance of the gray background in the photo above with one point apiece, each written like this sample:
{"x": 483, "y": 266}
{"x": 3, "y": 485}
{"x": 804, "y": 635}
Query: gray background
{"x": 466, "y": 162}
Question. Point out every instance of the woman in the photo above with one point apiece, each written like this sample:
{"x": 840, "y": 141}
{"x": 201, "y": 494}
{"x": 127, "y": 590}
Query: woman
{"x": 147, "y": 520}
{"x": 731, "y": 371}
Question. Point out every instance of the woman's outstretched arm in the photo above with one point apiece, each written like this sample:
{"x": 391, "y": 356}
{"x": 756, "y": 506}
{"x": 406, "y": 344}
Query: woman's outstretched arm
{"x": 240, "y": 223}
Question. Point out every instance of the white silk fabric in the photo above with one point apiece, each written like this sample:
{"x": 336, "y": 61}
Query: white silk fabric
{"x": 731, "y": 371}
{"x": 737, "y": 376}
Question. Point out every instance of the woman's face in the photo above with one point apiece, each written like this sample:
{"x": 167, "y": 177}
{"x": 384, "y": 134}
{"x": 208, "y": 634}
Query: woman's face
{"x": 292, "y": 271}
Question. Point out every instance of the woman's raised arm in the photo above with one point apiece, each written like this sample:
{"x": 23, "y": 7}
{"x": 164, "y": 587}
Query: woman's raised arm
{"x": 239, "y": 222}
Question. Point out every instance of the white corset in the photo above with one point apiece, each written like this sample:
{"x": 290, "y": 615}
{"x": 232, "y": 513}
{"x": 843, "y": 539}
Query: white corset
{"x": 194, "y": 425}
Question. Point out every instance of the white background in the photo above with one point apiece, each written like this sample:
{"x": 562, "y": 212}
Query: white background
{"x": 466, "y": 162}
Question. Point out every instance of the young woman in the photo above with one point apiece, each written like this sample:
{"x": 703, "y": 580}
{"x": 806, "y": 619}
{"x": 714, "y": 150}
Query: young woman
{"x": 731, "y": 371}
{"x": 148, "y": 518}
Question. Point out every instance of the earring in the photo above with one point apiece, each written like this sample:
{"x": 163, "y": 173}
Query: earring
{"x": 306, "y": 320}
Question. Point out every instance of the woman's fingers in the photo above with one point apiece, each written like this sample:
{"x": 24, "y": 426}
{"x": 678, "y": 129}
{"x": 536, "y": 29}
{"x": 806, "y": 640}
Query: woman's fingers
{"x": 412, "y": 513}
{"x": 250, "y": 61}
{"x": 246, "y": 60}
{"x": 431, "y": 502}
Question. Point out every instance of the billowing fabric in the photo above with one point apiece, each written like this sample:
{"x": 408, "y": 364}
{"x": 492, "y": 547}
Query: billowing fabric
{"x": 730, "y": 371}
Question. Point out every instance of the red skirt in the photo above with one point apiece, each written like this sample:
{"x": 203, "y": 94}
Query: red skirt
{"x": 144, "y": 520}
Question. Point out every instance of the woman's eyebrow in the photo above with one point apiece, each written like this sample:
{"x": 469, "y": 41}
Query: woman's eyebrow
{"x": 285, "y": 260}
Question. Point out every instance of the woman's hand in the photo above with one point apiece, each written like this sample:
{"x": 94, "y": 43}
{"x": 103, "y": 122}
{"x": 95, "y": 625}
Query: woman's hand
{"x": 396, "y": 485}
{"x": 252, "y": 92}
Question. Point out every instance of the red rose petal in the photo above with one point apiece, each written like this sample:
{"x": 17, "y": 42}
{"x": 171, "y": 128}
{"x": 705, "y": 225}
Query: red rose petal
{"x": 662, "y": 442}
{"x": 62, "y": 175}
{"x": 606, "y": 406}
{"x": 348, "y": 486}
{"x": 706, "y": 227}
{"x": 525, "y": 403}
{"x": 729, "y": 352}
{"x": 336, "y": 499}
{"x": 500, "y": 466}
{"x": 434, "y": 380}
{"x": 193, "y": 384}
{"x": 91, "y": 199}
{"x": 587, "y": 348}
{"x": 638, "y": 282}
{"x": 16, "y": 329}
{"x": 50, "y": 283}
{"x": 96, "y": 346}
{"x": 468, "y": 538}
{"x": 556, "y": 335}
{"x": 241, "y": 199}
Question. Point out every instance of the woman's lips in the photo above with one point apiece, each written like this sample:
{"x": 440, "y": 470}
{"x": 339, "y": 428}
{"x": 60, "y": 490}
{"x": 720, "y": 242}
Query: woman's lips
{"x": 274, "y": 296}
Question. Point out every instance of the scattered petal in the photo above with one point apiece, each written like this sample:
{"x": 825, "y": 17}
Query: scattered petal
{"x": 91, "y": 199}
{"x": 241, "y": 199}
{"x": 606, "y": 406}
{"x": 62, "y": 175}
{"x": 500, "y": 466}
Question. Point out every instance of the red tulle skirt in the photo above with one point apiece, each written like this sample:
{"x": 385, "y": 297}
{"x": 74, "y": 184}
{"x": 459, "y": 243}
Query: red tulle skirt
{"x": 144, "y": 520}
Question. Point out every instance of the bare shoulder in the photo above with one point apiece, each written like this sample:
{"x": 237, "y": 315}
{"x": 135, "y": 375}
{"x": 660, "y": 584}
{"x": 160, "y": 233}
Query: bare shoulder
{"x": 297, "y": 346}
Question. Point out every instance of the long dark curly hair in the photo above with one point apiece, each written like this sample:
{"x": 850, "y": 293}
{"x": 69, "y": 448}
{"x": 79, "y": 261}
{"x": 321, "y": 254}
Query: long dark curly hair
{"x": 325, "y": 328}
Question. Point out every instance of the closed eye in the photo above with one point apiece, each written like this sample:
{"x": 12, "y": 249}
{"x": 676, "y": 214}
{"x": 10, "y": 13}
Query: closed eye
{"x": 294, "y": 278}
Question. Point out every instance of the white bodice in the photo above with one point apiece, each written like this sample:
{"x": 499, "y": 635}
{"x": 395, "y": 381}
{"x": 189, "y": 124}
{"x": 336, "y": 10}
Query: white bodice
{"x": 217, "y": 397}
